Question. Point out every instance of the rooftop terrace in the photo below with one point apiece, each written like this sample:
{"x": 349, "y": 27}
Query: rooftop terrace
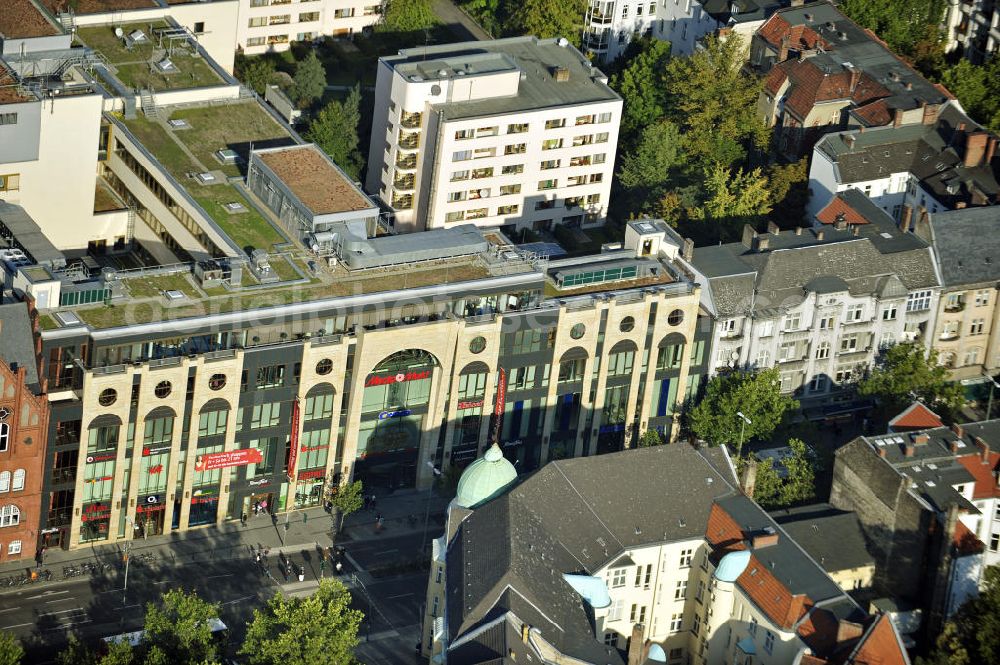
{"x": 187, "y": 151}
{"x": 314, "y": 180}
{"x": 21, "y": 19}
{"x": 135, "y": 62}
{"x": 95, "y": 6}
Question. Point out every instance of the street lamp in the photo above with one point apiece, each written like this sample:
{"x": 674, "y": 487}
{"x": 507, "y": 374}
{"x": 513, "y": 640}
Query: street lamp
{"x": 128, "y": 548}
{"x": 744, "y": 421}
{"x": 993, "y": 384}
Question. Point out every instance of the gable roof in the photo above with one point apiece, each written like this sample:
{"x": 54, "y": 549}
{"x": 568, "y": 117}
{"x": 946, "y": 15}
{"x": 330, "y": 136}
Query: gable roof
{"x": 853, "y": 207}
{"x": 915, "y": 416}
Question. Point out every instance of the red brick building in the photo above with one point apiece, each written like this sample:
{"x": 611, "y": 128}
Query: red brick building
{"x": 24, "y": 422}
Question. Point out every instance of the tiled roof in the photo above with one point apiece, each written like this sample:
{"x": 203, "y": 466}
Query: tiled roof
{"x": 965, "y": 540}
{"x": 773, "y": 598}
{"x": 799, "y": 36}
{"x": 812, "y": 84}
{"x": 983, "y": 473}
{"x": 875, "y": 114}
{"x": 915, "y": 416}
{"x": 840, "y": 208}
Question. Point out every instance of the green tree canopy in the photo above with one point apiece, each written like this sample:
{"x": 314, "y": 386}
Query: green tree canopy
{"x": 972, "y": 635}
{"x": 180, "y": 628}
{"x": 649, "y": 165}
{"x": 905, "y": 372}
{"x": 548, "y": 18}
{"x": 640, "y": 85}
{"x": 732, "y": 198}
{"x": 902, "y": 24}
{"x": 320, "y": 629}
{"x": 650, "y": 438}
{"x": 756, "y": 394}
{"x": 789, "y": 187}
{"x": 256, "y": 73}
{"x": 977, "y": 88}
{"x": 11, "y": 651}
{"x": 309, "y": 81}
{"x": 346, "y": 500}
{"x": 772, "y": 491}
{"x": 335, "y": 130}
{"x": 407, "y": 16}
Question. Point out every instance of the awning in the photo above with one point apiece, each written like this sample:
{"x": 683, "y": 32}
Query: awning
{"x": 746, "y": 645}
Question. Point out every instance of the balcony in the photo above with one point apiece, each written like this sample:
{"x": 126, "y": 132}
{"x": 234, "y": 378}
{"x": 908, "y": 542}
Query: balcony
{"x": 948, "y": 335}
{"x": 404, "y": 182}
{"x": 411, "y": 120}
{"x": 409, "y": 140}
{"x": 953, "y": 307}
{"x": 406, "y": 162}
{"x": 65, "y": 475}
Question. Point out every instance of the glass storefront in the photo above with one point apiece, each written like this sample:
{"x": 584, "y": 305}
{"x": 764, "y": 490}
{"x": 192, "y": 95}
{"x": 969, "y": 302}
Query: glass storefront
{"x": 204, "y": 506}
{"x": 95, "y": 521}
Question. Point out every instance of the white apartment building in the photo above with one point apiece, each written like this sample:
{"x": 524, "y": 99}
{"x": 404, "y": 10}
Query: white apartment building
{"x": 818, "y": 303}
{"x": 648, "y": 555}
{"x": 516, "y": 132}
{"x": 610, "y": 25}
{"x": 943, "y": 164}
{"x": 271, "y": 25}
{"x": 974, "y": 27}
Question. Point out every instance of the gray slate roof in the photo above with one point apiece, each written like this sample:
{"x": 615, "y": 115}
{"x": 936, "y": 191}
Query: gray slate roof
{"x": 744, "y": 280}
{"x": 18, "y": 341}
{"x": 967, "y": 243}
{"x": 741, "y": 11}
{"x": 832, "y": 537}
{"x": 574, "y": 516}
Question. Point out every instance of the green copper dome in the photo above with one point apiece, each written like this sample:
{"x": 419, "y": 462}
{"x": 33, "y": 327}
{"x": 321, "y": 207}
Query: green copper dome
{"x": 485, "y": 478}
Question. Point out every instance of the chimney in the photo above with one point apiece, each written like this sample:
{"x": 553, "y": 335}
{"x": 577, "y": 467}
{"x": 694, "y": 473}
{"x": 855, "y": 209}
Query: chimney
{"x": 881, "y": 452}
{"x": 748, "y": 236}
{"x": 763, "y": 242}
{"x": 795, "y": 609}
{"x": 840, "y": 222}
{"x": 635, "y": 646}
{"x": 897, "y": 117}
{"x": 991, "y": 148}
{"x": 984, "y": 449}
{"x": 975, "y": 148}
{"x": 783, "y": 48}
{"x": 849, "y": 141}
{"x": 960, "y": 205}
{"x": 958, "y": 430}
{"x": 687, "y": 251}
{"x": 820, "y": 234}
{"x": 773, "y": 229}
{"x": 921, "y": 439}
{"x": 748, "y": 476}
{"x": 798, "y": 230}
{"x": 848, "y": 630}
{"x": 909, "y": 449}
{"x": 855, "y": 77}
{"x": 765, "y": 538}
{"x": 904, "y": 224}
{"x": 525, "y": 630}
{"x": 856, "y": 230}
{"x": 930, "y": 114}
{"x": 561, "y": 74}
{"x": 953, "y": 446}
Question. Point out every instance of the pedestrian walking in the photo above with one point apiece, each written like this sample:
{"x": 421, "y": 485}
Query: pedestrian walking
{"x": 243, "y": 519}
{"x": 373, "y": 502}
{"x": 257, "y": 555}
{"x": 256, "y": 508}
{"x": 340, "y": 567}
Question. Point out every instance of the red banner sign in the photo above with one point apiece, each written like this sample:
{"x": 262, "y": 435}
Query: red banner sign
{"x": 401, "y": 377}
{"x": 310, "y": 475}
{"x": 241, "y": 457}
{"x": 155, "y": 469}
{"x": 500, "y": 405}
{"x": 293, "y": 453}
{"x": 470, "y": 404}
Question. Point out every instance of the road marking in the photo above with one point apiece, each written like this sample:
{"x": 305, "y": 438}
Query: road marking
{"x": 231, "y": 602}
{"x": 45, "y": 595}
{"x": 9, "y": 609}
{"x": 110, "y": 590}
{"x": 60, "y": 600}
{"x": 385, "y": 552}
{"x": 402, "y": 595}
{"x": 74, "y": 609}
{"x": 164, "y": 582}
{"x": 17, "y": 625}
{"x": 64, "y": 626}
{"x": 212, "y": 577}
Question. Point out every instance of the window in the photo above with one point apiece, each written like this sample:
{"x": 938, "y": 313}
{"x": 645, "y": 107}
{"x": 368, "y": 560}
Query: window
{"x": 272, "y": 376}
{"x": 602, "y": 137}
{"x": 638, "y": 576}
{"x": 454, "y": 197}
{"x": 791, "y": 322}
{"x": 547, "y": 184}
{"x": 212, "y": 423}
{"x": 265, "y": 415}
{"x": 507, "y": 190}
{"x": 617, "y": 610}
{"x": 686, "y": 556}
{"x": 982, "y": 298}
{"x": 555, "y": 124}
{"x": 308, "y": 16}
{"x": 515, "y": 149}
{"x": 995, "y": 541}
{"x": 12, "y": 181}
{"x": 257, "y": 21}
{"x": 217, "y": 382}
{"x": 617, "y": 578}
{"x": 889, "y": 313}
{"x": 8, "y": 118}
{"x": 454, "y": 216}
{"x": 680, "y": 591}
{"x": 752, "y": 628}
{"x": 518, "y": 128}
{"x": 604, "y": 117}
{"x": 638, "y": 614}
{"x": 461, "y": 155}
{"x": 14, "y": 547}
{"x": 787, "y": 382}
{"x": 459, "y": 175}
{"x": 552, "y": 144}
{"x": 611, "y": 639}
{"x": 700, "y": 595}
{"x": 696, "y": 627}
{"x": 318, "y": 407}
{"x": 918, "y": 301}
{"x": 255, "y": 41}
{"x": 977, "y": 327}
{"x": 4, "y": 436}
{"x": 849, "y": 343}
{"x": 854, "y": 313}
{"x": 763, "y": 358}
{"x": 786, "y": 351}
{"x": 818, "y": 383}
{"x": 971, "y": 357}
{"x": 512, "y": 169}
{"x": 4, "y": 481}
{"x": 478, "y": 174}
{"x": 481, "y": 153}
{"x": 10, "y": 516}
{"x": 477, "y": 213}
{"x": 508, "y": 210}
{"x": 766, "y": 328}
{"x": 826, "y": 323}
{"x": 769, "y": 642}
{"x": 550, "y": 164}
{"x": 676, "y": 622}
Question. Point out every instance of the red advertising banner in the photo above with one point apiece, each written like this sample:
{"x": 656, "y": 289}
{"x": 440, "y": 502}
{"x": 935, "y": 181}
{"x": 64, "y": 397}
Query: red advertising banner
{"x": 470, "y": 404}
{"x": 401, "y": 377}
{"x": 240, "y": 457}
{"x": 311, "y": 475}
{"x": 500, "y": 405}
{"x": 293, "y": 454}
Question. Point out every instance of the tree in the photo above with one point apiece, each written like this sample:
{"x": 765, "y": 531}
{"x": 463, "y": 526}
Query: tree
{"x": 650, "y": 438}
{"x": 407, "y": 16}
{"x": 733, "y": 198}
{"x": 713, "y": 101}
{"x": 905, "y": 372}
{"x": 318, "y": 629}
{"x": 902, "y": 24}
{"x": 548, "y": 18}
{"x": 755, "y": 394}
{"x": 648, "y": 166}
{"x": 309, "y": 81}
{"x": 789, "y": 187}
{"x": 256, "y": 73}
{"x": 972, "y": 635}
{"x": 180, "y": 629}
{"x": 347, "y": 500}
{"x": 335, "y": 130}
{"x": 977, "y": 88}
{"x": 641, "y": 88}
{"x": 11, "y": 651}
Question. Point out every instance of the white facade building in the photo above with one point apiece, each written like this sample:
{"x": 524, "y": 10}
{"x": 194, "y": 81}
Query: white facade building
{"x": 516, "y": 132}
{"x": 974, "y": 27}
{"x": 271, "y": 25}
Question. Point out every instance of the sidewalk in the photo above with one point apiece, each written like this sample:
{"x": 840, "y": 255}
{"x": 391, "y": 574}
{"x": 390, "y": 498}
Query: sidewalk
{"x": 312, "y": 527}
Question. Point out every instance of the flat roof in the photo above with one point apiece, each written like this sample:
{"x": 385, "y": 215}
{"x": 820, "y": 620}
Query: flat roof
{"x": 535, "y": 58}
{"x": 96, "y": 6}
{"x": 20, "y": 19}
{"x": 29, "y": 236}
{"x": 314, "y": 180}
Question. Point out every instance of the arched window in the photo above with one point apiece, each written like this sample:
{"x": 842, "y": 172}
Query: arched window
{"x": 9, "y": 516}
{"x": 18, "y": 481}
{"x": 4, "y": 436}
{"x": 4, "y": 481}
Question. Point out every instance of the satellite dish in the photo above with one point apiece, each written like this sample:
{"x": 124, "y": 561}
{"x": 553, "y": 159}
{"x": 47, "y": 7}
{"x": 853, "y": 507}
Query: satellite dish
{"x": 735, "y": 355}
{"x": 119, "y": 33}
{"x": 483, "y": 193}
{"x": 435, "y": 89}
